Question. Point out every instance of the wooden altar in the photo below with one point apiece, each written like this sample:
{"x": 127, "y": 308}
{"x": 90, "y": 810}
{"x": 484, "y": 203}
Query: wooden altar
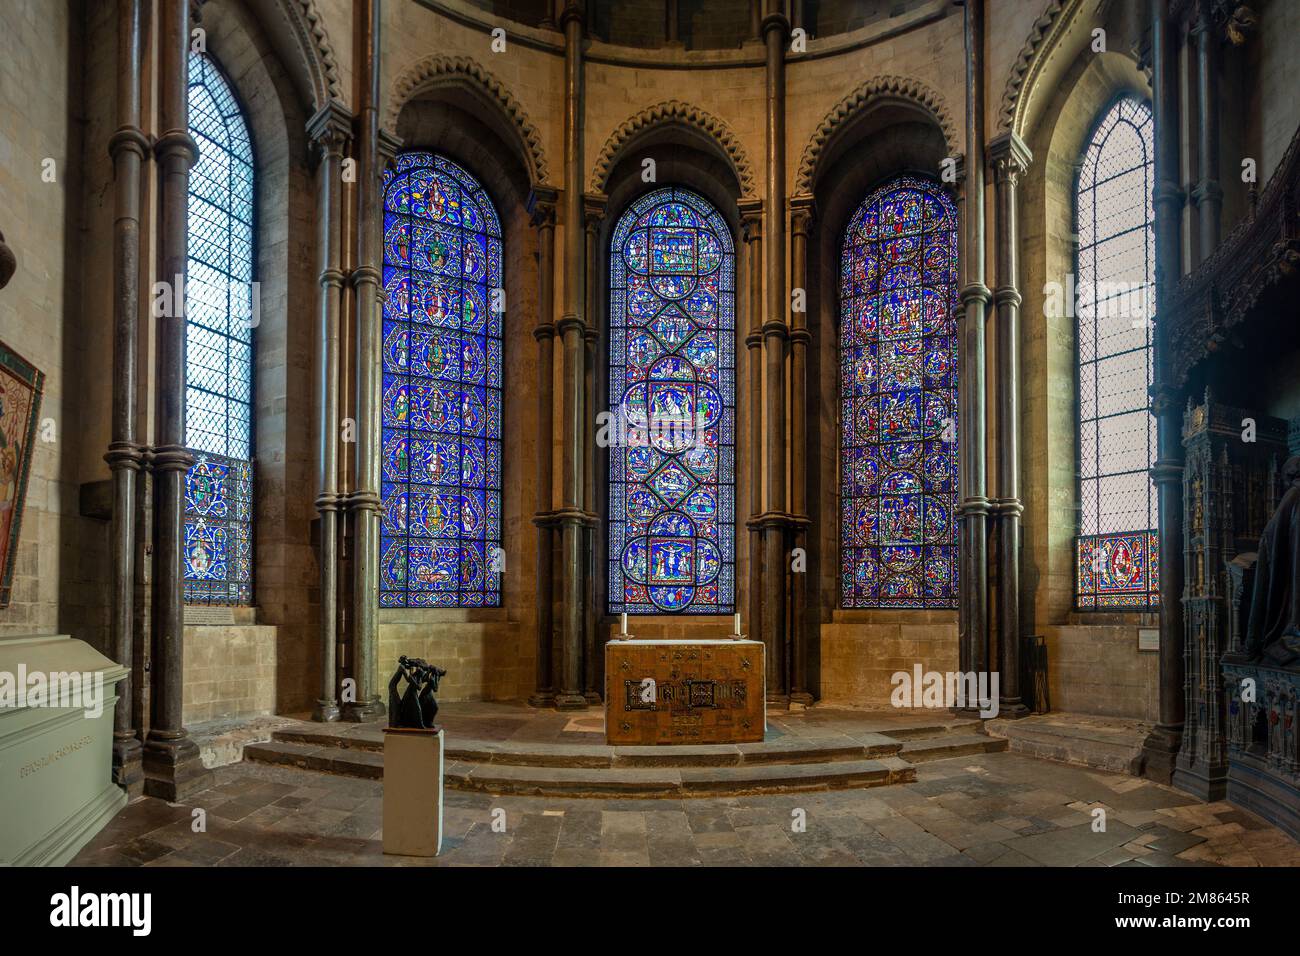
{"x": 684, "y": 692}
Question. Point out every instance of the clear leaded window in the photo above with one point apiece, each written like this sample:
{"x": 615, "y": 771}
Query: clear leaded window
{"x": 672, "y": 382}
{"x": 441, "y": 481}
{"x": 219, "y": 322}
{"x": 898, "y": 400}
{"x": 1117, "y": 549}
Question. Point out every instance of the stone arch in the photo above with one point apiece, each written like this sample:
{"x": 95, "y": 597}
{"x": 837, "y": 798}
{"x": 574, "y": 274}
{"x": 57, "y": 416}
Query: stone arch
{"x": 437, "y": 71}
{"x": 901, "y": 90}
{"x": 313, "y": 49}
{"x": 1023, "y": 84}
{"x": 673, "y": 113}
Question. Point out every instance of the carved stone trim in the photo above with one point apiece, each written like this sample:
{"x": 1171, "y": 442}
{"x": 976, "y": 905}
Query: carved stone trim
{"x": 875, "y": 90}
{"x": 317, "y": 51}
{"x": 1046, "y": 31}
{"x": 437, "y": 70}
{"x": 669, "y": 113}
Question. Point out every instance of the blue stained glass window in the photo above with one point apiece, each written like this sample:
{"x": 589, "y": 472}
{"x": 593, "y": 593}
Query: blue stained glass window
{"x": 1117, "y": 552}
{"x": 441, "y": 465}
{"x": 673, "y": 386}
{"x": 219, "y": 322}
{"x": 898, "y": 400}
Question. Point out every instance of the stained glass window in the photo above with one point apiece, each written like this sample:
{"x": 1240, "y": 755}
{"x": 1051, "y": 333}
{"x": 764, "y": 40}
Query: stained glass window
{"x": 1116, "y": 557}
{"x": 898, "y": 400}
{"x": 672, "y": 385}
{"x": 441, "y": 484}
{"x": 219, "y": 322}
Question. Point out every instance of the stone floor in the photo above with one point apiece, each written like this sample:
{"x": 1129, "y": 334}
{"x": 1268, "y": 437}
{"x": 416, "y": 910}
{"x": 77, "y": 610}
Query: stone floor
{"x": 998, "y": 809}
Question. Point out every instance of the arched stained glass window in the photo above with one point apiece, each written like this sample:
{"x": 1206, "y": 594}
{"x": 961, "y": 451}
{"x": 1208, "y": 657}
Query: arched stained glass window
{"x": 898, "y": 400}
{"x": 441, "y": 466}
{"x": 219, "y": 323}
{"x": 672, "y": 381}
{"x": 1117, "y": 549}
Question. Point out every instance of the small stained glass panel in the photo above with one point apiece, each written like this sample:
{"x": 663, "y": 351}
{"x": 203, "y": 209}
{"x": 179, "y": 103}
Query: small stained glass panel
{"x": 1115, "y": 311}
{"x": 440, "y": 531}
{"x": 898, "y": 400}
{"x": 219, "y": 322}
{"x": 672, "y": 385}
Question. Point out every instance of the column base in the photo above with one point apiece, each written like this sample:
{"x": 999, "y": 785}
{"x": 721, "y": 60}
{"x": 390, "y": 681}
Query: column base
{"x": 173, "y": 769}
{"x": 363, "y": 712}
{"x": 570, "y": 702}
{"x": 801, "y": 698}
{"x": 778, "y": 700}
{"x": 128, "y": 766}
{"x": 325, "y": 711}
{"x": 1160, "y": 753}
{"x": 1013, "y": 709}
{"x": 543, "y": 698}
{"x": 593, "y": 698}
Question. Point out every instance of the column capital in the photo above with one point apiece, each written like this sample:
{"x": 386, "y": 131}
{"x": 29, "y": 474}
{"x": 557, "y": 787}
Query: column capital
{"x": 1009, "y": 156}
{"x": 775, "y": 21}
{"x": 389, "y": 145}
{"x": 171, "y": 458}
{"x": 541, "y": 206}
{"x": 751, "y": 219}
{"x": 176, "y": 142}
{"x": 124, "y": 454}
{"x": 593, "y": 208}
{"x": 129, "y": 138}
{"x": 330, "y": 127}
{"x": 803, "y": 212}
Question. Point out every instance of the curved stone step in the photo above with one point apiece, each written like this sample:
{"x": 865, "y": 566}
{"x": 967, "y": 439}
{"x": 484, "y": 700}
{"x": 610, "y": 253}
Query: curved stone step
{"x": 603, "y": 781}
{"x": 924, "y": 749}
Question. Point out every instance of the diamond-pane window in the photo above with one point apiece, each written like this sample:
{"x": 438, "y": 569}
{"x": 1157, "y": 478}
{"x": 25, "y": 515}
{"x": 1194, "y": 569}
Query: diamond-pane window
{"x": 898, "y": 400}
{"x": 672, "y": 380}
{"x": 1116, "y": 554}
{"x": 219, "y": 322}
{"x": 440, "y": 539}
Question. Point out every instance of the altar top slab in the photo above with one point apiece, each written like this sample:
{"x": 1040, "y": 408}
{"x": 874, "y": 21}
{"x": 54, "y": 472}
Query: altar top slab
{"x": 699, "y": 642}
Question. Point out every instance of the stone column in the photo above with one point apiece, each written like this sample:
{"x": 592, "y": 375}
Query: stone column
{"x": 541, "y": 209}
{"x": 593, "y": 651}
{"x": 572, "y": 331}
{"x": 364, "y": 501}
{"x": 973, "y": 589}
{"x": 329, "y": 129}
{"x": 1161, "y": 746}
{"x": 171, "y": 760}
{"x": 776, "y": 30}
{"x": 802, "y": 211}
{"x": 1011, "y": 157}
{"x": 751, "y": 224}
{"x": 128, "y": 147}
{"x": 1208, "y": 195}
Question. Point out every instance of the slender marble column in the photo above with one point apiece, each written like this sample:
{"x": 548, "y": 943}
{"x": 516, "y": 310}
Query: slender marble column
{"x": 1011, "y": 157}
{"x": 171, "y": 760}
{"x": 364, "y": 500}
{"x": 128, "y": 147}
{"x": 572, "y": 331}
{"x": 329, "y": 129}
{"x": 802, "y": 211}
{"x": 1208, "y": 194}
{"x": 776, "y": 30}
{"x": 973, "y": 598}
{"x": 1161, "y": 746}
{"x": 751, "y": 221}
{"x": 542, "y": 212}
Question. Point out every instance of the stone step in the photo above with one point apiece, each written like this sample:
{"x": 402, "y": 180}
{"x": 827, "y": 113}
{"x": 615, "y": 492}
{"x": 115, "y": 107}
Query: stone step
{"x": 926, "y": 749}
{"x": 1118, "y": 751}
{"x": 655, "y": 781}
{"x": 787, "y": 750}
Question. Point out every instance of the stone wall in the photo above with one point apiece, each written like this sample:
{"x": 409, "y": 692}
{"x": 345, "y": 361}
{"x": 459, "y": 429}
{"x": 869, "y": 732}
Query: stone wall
{"x": 230, "y": 672}
{"x": 862, "y": 650}
{"x": 1097, "y": 669}
{"x": 480, "y": 650}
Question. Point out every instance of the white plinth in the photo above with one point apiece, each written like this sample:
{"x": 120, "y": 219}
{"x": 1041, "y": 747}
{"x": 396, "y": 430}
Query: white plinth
{"x": 413, "y": 761}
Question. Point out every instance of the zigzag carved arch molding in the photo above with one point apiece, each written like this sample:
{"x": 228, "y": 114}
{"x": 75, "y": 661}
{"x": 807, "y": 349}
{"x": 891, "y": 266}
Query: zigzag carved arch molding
{"x": 881, "y": 89}
{"x": 670, "y": 113}
{"x": 1021, "y": 85}
{"x": 435, "y": 71}
{"x": 315, "y": 48}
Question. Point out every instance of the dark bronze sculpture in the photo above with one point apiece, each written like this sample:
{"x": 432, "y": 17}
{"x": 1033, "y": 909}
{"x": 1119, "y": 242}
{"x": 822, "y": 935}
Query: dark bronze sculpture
{"x": 1273, "y": 628}
{"x": 415, "y": 707}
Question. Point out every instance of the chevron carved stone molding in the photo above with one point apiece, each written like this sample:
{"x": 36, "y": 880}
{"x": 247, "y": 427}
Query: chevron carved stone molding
{"x": 1043, "y": 37}
{"x": 433, "y": 71}
{"x": 878, "y": 89}
{"x": 673, "y": 112}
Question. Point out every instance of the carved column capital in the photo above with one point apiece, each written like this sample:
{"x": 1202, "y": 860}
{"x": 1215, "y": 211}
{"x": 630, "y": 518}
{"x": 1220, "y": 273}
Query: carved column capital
{"x": 593, "y": 210}
{"x": 751, "y": 219}
{"x": 803, "y": 212}
{"x": 389, "y": 146}
{"x": 1010, "y": 158}
{"x": 330, "y": 128}
{"x": 541, "y": 207}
